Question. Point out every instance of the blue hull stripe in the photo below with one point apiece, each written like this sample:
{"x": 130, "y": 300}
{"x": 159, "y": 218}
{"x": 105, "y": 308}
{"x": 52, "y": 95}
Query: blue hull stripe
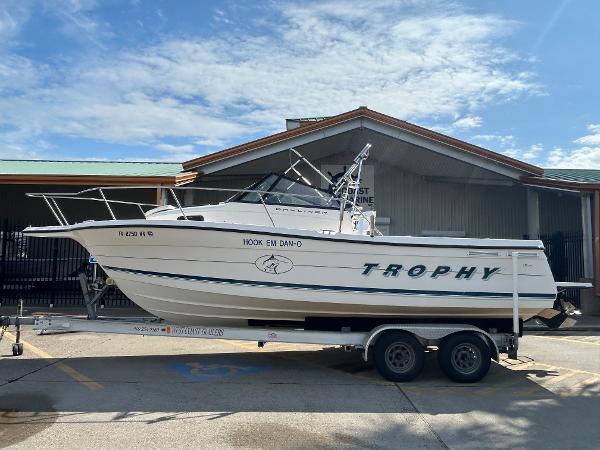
{"x": 319, "y": 287}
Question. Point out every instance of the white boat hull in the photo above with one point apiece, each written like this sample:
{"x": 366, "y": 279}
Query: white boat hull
{"x": 203, "y": 273}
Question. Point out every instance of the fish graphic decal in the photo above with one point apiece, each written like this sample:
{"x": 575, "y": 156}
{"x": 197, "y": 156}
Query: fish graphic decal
{"x": 274, "y": 264}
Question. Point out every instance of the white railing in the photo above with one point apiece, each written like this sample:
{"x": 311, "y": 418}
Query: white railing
{"x": 51, "y": 198}
{"x": 344, "y": 190}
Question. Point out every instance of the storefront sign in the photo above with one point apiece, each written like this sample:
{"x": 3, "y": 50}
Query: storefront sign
{"x": 366, "y": 193}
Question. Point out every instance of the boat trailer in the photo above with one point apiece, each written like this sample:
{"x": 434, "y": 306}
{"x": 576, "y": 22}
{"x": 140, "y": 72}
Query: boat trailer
{"x": 388, "y": 342}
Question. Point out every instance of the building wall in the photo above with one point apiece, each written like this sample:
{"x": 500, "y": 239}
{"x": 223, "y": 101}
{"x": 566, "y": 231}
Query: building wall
{"x": 415, "y": 204}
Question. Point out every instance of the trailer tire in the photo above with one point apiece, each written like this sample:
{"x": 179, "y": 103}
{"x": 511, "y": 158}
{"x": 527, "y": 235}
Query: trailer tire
{"x": 464, "y": 357}
{"x": 17, "y": 349}
{"x": 398, "y": 356}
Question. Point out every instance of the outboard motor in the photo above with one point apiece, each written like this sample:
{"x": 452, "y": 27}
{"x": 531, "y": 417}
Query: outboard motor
{"x": 562, "y": 315}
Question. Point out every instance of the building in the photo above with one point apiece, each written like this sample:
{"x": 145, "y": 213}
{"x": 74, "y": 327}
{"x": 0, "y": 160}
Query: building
{"x": 420, "y": 182}
{"x": 18, "y": 177}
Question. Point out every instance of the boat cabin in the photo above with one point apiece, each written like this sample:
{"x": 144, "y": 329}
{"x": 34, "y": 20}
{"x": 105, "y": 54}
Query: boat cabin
{"x": 278, "y": 201}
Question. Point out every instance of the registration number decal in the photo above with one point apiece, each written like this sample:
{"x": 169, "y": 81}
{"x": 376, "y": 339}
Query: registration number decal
{"x": 135, "y": 233}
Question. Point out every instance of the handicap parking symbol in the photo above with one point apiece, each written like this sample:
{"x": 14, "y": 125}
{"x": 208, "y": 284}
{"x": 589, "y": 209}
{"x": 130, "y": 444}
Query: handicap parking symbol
{"x": 216, "y": 368}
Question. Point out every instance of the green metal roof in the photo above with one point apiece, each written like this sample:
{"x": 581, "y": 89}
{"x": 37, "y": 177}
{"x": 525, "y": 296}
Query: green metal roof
{"x": 100, "y": 168}
{"x": 576, "y": 175}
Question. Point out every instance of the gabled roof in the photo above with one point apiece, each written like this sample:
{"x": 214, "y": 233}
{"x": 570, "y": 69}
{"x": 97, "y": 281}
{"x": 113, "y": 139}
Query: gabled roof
{"x": 364, "y": 113}
{"x": 93, "y": 172}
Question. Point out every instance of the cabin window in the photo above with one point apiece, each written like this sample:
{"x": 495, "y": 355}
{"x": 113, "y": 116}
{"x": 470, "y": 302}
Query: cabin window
{"x": 281, "y": 190}
{"x": 196, "y": 217}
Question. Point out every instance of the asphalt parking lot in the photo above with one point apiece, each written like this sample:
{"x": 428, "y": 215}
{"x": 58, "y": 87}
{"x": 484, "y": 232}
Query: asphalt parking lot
{"x": 91, "y": 390}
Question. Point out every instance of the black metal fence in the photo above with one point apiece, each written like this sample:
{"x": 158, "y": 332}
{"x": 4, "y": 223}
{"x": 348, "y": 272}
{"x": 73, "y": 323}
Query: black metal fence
{"x": 565, "y": 255}
{"x": 44, "y": 272}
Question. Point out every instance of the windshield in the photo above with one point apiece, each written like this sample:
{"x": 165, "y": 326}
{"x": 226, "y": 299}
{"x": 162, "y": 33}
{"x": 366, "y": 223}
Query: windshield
{"x": 286, "y": 191}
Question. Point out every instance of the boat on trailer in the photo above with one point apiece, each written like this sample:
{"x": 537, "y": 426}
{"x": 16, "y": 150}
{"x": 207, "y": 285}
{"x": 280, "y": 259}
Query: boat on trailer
{"x": 284, "y": 253}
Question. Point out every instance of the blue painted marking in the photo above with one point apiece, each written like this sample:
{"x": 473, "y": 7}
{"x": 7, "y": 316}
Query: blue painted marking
{"x": 92, "y": 260}
{"x": 214, "y": 368}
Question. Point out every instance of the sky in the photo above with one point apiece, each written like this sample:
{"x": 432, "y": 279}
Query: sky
{"x": 172, "y": 80}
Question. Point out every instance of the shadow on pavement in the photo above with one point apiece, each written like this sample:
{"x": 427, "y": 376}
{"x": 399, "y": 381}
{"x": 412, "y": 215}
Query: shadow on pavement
{"x": 505, "y": 409}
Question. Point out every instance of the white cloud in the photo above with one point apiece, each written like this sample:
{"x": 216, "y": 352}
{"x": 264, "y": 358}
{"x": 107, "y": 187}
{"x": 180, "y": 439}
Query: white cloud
{"x": 13, "y": 14}
{"x": 584, "y": 156}
{"x": 405, "y": 59}
{"x": 503, "y": 141}
{"x": 176, "y": 152}
{"x": 467, "y": 122}
{"x": 175, "y": 148}
{"x": 507, "y": 145}
{"x": 590, "y": 139}
{"x": 532, "y": 153}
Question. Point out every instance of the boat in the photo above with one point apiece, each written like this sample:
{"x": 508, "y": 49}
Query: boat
{"x": 284, "y": 251}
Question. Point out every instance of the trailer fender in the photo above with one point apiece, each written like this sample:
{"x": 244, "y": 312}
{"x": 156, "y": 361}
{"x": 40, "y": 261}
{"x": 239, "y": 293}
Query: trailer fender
{"x": 430, "y": 332}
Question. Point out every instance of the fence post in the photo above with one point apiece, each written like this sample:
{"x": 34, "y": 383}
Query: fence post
{"x": 54, "y": 271}
{"x": 3, "y": 232}
{"x": 561, "y": 251}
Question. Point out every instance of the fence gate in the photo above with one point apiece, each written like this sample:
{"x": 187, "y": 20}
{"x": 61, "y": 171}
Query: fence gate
{"x": 44, "y": 272}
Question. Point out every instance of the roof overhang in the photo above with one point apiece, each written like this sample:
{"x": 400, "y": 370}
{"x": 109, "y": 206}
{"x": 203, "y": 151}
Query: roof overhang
{"x": 101, "y": 180}
{"x": 359, "y": 119}
{"x": 561, "y": 184}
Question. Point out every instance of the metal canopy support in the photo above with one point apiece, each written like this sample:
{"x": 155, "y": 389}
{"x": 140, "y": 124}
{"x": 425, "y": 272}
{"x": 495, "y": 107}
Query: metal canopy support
{"x": 586, "y": 226}
{"x": 515, "y": 296}
{"x": 515, "y": 282}
{"x": 596, "y": 241}
{"x": 533, "y": 214}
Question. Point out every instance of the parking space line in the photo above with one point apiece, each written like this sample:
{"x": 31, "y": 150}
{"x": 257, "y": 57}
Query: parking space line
{"x": 591, "y": 381}
{"x": 568, "y": 339}
{"x": 65, "y": 368}
{"x": 589, "y": 338}
{"x": 559, "y": 378}
{"x": 240, "y": 344}
{"x": 572, "y": 370}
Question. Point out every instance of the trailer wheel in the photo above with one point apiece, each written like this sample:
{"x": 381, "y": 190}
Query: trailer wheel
{"x": 398, "y": 356}
{"x": 17, "y": 349}
{"x": 464, "y": 357}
